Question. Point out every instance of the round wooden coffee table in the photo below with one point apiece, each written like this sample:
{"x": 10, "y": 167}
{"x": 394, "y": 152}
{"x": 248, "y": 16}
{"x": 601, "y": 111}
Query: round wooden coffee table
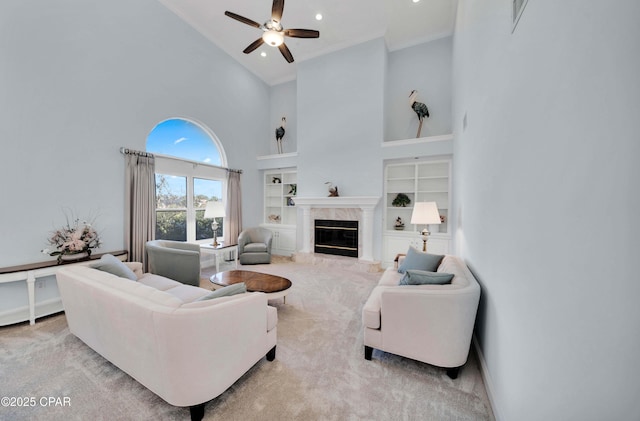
{"x": 272, "y": 285}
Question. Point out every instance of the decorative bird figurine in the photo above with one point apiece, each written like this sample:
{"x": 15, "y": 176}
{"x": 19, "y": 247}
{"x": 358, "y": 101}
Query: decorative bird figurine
{"x": 333, "y": 191}
{"x": 280, "y": 134}
{"x": 421, "y": 109}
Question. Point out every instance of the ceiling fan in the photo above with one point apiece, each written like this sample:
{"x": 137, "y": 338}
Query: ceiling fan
{"x": 273, "y": 32}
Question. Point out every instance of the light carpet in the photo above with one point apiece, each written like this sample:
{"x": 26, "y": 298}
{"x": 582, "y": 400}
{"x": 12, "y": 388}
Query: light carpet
{"x": 319, "y": 372}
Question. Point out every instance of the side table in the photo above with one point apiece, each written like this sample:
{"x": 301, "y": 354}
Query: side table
{"x": 219, "y": 252}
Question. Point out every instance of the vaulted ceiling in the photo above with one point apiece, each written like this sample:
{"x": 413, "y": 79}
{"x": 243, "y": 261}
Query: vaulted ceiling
{"x": 344, "y": 23}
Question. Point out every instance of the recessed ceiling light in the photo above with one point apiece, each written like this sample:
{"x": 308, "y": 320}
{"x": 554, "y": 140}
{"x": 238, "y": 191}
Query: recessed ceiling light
{"x": 319, "y": 16}
{"x": 263, "y": 54}
{"x": 416, "y": 1}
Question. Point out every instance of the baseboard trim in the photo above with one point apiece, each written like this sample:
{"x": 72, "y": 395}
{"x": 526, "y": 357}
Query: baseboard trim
{"x": 486, "y": 378}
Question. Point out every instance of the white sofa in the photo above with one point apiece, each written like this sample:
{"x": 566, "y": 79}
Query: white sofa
{"x": 185, "y": 351}
{"x": 428, "y": 323}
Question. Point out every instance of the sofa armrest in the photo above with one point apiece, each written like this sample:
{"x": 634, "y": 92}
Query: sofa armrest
{"x": 436, "y": 322}
{"x": 216, "y": 345}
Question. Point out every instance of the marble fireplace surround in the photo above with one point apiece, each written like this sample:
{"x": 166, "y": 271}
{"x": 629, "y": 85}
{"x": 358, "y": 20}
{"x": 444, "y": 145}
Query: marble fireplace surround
{"x": 348, "y": 208}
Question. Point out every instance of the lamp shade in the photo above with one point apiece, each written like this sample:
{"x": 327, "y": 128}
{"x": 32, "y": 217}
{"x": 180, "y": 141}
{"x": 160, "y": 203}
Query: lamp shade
{"x": 425, "y": 213}
{"x": 214, "y": 209}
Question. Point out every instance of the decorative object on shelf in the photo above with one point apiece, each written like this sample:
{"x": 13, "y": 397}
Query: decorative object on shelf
{"x": 274, "y": 218}
{"x": 74, "y": 241}
{"x": 420, "y": 108}
{"x": 215, "y": 209}
{"x": 401, "y": 200}
{"x": 290, "y": 201}
{"x": 425, "y": 213}
{"x": 399, "y": 224}
{"x": 280, "y": 134}
{"x": 276, "y": 180}
{"x": 293, "y": 189}
{"x": 333, "y": 190}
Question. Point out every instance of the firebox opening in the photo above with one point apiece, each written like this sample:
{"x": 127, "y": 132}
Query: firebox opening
{"x": 336, "y": 237}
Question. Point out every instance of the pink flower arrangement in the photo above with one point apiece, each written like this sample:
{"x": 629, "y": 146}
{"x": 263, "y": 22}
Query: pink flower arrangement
{"x": 73, "y": 239}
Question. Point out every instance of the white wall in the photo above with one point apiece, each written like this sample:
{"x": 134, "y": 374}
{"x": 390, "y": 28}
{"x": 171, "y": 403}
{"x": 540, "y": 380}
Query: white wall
{"x": 80, "y": 79}
{"x": 546, "y": 195}
{"x": 340, "y": 121}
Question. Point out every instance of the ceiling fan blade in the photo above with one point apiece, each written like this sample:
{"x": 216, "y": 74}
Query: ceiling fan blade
{"x": 286, "y": 53}
{"x": 255, "y": 44}
{"x": 302, "y": 33}
{"x": 277, "y": 9}
{"x": 242, "y": 19}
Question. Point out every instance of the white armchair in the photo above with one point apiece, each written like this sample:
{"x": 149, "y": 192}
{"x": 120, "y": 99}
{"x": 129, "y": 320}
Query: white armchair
{"x": 429, "y": 323}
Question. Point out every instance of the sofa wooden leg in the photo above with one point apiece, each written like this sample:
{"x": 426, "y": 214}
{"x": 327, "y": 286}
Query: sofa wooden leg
{"x": 368, "y": 351}
{"x": 197, "y": 412}
{"x": 453, "y": 372}
{"x": 271, "y": 355}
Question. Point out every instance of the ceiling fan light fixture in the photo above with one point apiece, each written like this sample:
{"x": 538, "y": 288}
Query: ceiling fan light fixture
{"x": 273, "y": 38}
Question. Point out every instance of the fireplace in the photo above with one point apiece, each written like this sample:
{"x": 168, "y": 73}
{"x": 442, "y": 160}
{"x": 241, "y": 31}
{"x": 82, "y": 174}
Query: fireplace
{"x": 336, "y": 237}
{"x": 343, "y": 208}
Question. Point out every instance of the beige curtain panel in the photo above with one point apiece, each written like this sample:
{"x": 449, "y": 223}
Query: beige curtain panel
{"x": 233, "y": 221}
{"x": 140, "y": 202}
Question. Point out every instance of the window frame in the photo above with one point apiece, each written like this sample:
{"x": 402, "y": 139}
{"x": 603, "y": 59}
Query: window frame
{"x": 169, "y": 165}
{"x": 182, "y": 167}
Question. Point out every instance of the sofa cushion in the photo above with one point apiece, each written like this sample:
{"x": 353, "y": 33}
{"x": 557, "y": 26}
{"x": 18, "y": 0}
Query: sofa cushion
{"x": 158, "y": 282}
{"x": 420, "y": 261}
{"x": 185, "y": 293}
{"x": 111, "y": 264}
{"x": 239, "y": 288}
{"x": 421, "y": 277}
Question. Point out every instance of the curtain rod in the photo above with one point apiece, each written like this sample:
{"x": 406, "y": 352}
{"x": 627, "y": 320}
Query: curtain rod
{"x": 126, "y": 151}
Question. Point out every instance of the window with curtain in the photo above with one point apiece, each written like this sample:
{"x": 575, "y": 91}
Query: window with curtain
{"x": 189, "y": 158}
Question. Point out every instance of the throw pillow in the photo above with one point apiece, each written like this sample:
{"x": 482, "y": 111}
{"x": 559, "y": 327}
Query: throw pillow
{"x": 417, "y": 260}
{"x": 110, "y": 263}
{"x": 421, "y": 277}
{"x": 234, "y": 289}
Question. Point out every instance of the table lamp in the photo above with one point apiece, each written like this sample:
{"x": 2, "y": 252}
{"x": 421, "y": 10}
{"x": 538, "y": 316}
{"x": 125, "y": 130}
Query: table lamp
{"x": 425, "y": 213}
{"x": 214, "y": 210}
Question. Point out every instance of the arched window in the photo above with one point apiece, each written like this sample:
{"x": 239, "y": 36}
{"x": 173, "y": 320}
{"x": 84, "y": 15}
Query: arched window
{"x": 186, "y": 139}
{"x": 190, "y": 171}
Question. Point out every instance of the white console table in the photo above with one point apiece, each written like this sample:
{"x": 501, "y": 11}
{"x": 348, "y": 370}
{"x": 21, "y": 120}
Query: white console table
{"x": 31, "y": 274}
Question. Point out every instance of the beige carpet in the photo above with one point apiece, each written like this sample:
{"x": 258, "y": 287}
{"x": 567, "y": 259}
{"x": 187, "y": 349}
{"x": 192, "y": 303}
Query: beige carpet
{"x": 319, "y": 372}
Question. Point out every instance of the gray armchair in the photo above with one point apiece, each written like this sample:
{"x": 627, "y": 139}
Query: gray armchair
{"x": 175, "y": 260}
{"x": 254, "y": 246}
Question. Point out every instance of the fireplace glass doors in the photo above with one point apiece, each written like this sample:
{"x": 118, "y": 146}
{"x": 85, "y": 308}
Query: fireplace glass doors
{"x": 336, "y": 237}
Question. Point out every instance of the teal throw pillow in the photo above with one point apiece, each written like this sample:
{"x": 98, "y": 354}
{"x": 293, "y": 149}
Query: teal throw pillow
{"x": 227, "y": 291}
{"x": 421, "y": 277}
{"x": 417, "y": 260}
{"x": 110, "y": 263}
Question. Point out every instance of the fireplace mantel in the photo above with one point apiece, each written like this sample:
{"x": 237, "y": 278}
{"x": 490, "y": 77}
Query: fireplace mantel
{"x": 366, "y": 203}
{"x": 338, "y": 202}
